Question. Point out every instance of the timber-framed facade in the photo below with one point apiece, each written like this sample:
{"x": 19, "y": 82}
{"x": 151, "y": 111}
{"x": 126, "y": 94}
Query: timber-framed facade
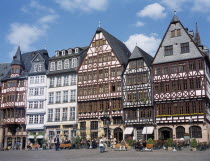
{"x": 181, "y": 85}
{"x": 99, "y": 87}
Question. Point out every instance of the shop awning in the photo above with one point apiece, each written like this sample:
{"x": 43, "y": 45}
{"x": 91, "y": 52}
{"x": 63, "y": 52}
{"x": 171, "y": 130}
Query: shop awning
{"x": 30, "y": 137}
{"x": 40, "y": 137}
{"x": 148, "y": 130}
{"x": 128, "y": 130}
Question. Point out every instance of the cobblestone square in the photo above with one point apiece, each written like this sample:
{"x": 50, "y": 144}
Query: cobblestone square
{"x": 94, "y": 155}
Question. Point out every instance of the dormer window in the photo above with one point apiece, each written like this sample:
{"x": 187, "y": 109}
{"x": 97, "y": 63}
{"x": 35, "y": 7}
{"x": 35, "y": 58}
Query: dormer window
{"x": 57, "y": 53}
{"x": 52, "y": 66}
{"x": 63, "y": 52}
{"x": 59, "y": 65}
{"x": 70, "y": 51}
{"x": 39, "y": 67}
{"x": 76, "y": 50}
{"x": 35, "y": 67}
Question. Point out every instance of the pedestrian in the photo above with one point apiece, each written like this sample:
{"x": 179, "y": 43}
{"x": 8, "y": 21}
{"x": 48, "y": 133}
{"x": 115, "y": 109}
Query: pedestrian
{"x": 122, "y": 146}
{"x": 101, "y": 145}
{"x": 57, "y": 143}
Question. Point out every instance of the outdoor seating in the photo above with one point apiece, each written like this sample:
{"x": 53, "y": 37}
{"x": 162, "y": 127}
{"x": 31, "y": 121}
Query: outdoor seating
{"x": 65, "y": 146}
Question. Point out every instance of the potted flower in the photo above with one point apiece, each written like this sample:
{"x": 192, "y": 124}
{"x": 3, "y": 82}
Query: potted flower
{"x": 150, "y": 143}
{"x": 170, "y": 144}
{"x": 194, "y": 144}
{"x": 77, "y": 142}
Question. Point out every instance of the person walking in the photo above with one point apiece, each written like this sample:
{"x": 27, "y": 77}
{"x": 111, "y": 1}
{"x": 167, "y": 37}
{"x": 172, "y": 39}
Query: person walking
{"x": 122, "y": 147}
{"x": 57, "y": 143}
{"x": 101, "y": 145}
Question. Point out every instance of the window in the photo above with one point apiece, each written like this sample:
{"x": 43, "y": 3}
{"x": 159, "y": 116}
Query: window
{"x": 80, "y": 77}
{"x": 165, "y": 70}
{"x": 100, "y": 74}
{"x": 173, "y": 69}
{"x": 139, "y": 134}
{"x": 168, "y": 50}
{"x": 36, "y": 91}
{"x": 118, "y": 71}
{"x": 192, "y": 66}
{"x": 36, "y": 104}
{"x": 113, "y": 72}
{"x": 21, "y": 98}
{"x": 57, "y": 114}
{"x": 157, "y": 71}
{"x": 180, "y": 131}
{"x": 185, "y": 84}
{"x": 74, "y": 63}
{"x": 42, "y": 79}
{"x": 178, "y": 32}
{"x": 198, "y": 83}
{"x": 59, "y": 81}
{"x": 100, "y": 58}
{"x": 94, "y": 135}
{"x": 191, "y": 84}
{"x": 41, "y": 91}
{"x": 113, "y": 87}
{"x": 59, "y": 65}
{"x": 36, "y": 119}
{"x": 41, "y": 121}
{"x": 50, "y": 115}
{"x": 101, "y": 88}
{"x": 196, "y": 132}
{"x": 37, "y": 79}
{"x": 185, "y": 48}
{"x": 106, "y": 73}
{"x": 30, "y": 105}
{"x": 117, "y": 121}
{"x": 200, "y": 107}
{"x": 65, "y": 96}
{"x": 140, "y": 63}
{"x": 73, "y": 96}
{"x": 66, "y": 64}
{"x": 64, "y": 116}
{"x": 94, "y": 125}
{"x": 90, "y": 60}
{"x": 173, "y": 33}
{"x": 72, "y": 114}
{"x": 51, "y": 135}
{"x": 94, "y": 75}
{"x": 51, "y": 97}
{"x": 73, "y": 79}
{"x": 66, "y": 80}
{"x": 31, "y": 80}
{"x": 76, "y": 50}
{"x": 41, "y": 104}
{"x": 181, "y": 68}
{"x": 52, "y": 82}
{"x": 35, "y": 67}
{"x": 30, "y": 119}
{"x": 132, "y": 64}
{"x": 52, "y": 66}
{"x": 82, "y": 125}
{"x": 70, "y": 51}
{"x": 39, "y": 67}
{"x": 31, "y": 92}
{"x": 58, "y": 97}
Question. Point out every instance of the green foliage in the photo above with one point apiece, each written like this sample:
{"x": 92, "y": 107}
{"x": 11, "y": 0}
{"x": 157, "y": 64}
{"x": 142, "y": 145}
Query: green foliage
{"x": 170, "y": 142}
{"x": 194, "y": 143}
{"x": 77, "y": 140}
{"x": 150, "y": 141}
{"x": 130, "y": 142}
{"x": 43, "y": 141}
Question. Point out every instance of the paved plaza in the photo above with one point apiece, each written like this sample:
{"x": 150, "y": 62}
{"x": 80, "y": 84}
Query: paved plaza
{"x": 94, "y": 155}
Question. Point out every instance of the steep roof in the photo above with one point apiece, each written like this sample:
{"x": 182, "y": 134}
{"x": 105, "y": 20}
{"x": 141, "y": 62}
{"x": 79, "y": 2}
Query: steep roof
{"x": 159, "y": 56}
{"x": 17, "y": 59}
{"x": 118, "y": 47}
{"x": 4, "y": 67}
{"x": 26, "y": 63}
{"x": 139, "y": 53}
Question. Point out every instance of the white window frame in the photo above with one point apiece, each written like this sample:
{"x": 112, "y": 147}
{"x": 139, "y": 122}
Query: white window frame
{"x": 70, "y": 51}
{"x": 59, "y": 65}
{"x": 52, "y": 66}
{"x": 35, "y": 68}
{"x": 72, "y": 115}
{"x": 66, "y": 64}
{"x": 39, "y": 67}
{"x": 73, "y": 79}
{"x": 42, "y": 80}
{"x": 74, "y": 63}
{"x": 73, "y": 96}
{"x": 51, "y": 97}
{"x": 31, "y": 80}
{"x": 76, "y": 50}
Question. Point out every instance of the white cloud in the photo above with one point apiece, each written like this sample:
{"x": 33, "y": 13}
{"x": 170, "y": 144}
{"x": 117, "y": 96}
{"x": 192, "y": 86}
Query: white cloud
{"x": 139, "y": 24}
{"x": 48, "y": 19}
{"x": 176, "y": 5}
{"x": 201, "y": 5}
{"x": 24, "y": 35}
{"x": 147, "y": 43}
{"x": 36, "y": 6}
{"x": 83, "y": 5}
{"x": 154, "y": 11}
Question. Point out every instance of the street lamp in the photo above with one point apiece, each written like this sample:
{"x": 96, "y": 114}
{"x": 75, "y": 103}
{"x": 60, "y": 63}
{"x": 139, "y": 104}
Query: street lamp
{"x": 107, "y": 131}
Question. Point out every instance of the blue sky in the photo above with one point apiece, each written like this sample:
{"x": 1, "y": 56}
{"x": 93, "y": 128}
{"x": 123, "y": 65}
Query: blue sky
{"x": 63, "y": 24}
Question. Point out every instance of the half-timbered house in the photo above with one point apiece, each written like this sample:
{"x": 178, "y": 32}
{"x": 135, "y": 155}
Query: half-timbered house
{"x": 181, "y": 85}
{"x": 99, "y": 87}
{"x": 137, "y": 95}
{"x": 14, "y": 96}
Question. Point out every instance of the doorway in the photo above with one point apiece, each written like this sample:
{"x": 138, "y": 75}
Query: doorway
{"x": 118, "y": 134}
{"x": 165, "y": 133}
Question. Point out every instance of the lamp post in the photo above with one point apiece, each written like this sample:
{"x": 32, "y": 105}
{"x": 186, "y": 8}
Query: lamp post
{"x": 107, "y": 131}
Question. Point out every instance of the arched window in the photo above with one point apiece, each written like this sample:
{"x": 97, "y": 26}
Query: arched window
{"x": 180, "y": 132}
{"x": 195, "y": 132}
{"x": 66, "y": 64}
{"x": 59, "y": 65}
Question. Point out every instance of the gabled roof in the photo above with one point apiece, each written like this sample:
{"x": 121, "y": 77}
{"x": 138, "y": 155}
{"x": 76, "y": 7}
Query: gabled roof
{"x": 118, "y": 47}
{"x": 17, "y": 60}
{"x": 26, "y": 63}
{"x": 139, "y": 53}
{"x": 159, "y": 60}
